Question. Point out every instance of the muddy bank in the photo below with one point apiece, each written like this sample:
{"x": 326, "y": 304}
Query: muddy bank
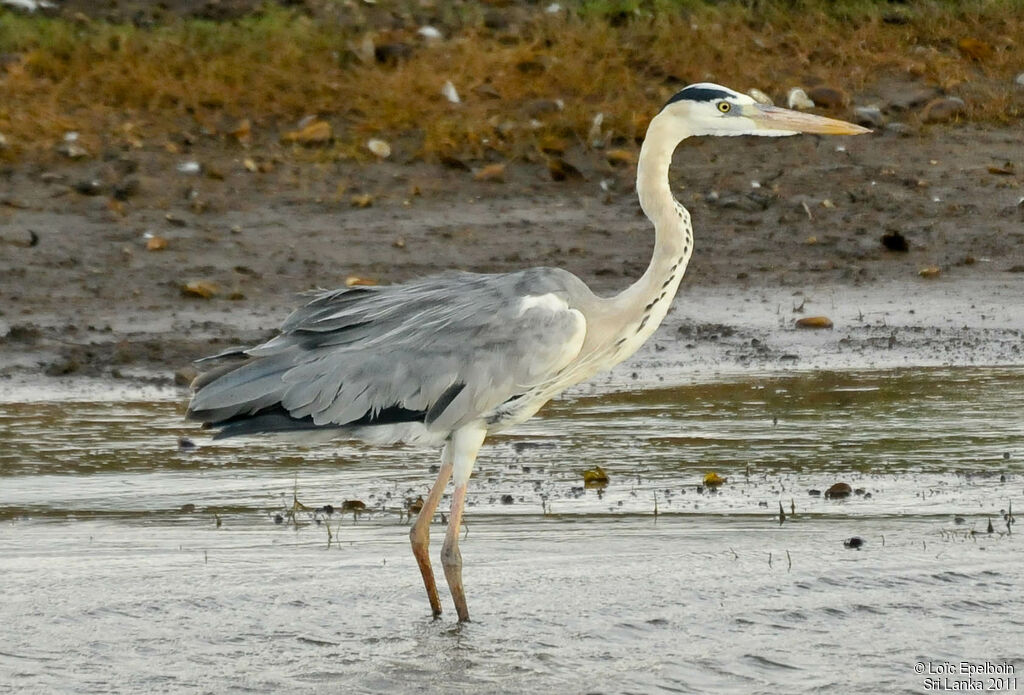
{"x": 780, "y": 224}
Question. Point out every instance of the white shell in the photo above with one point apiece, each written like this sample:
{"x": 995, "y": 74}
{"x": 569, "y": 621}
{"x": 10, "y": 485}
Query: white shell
{"x": 760, "y": 97}
{"x": 379, "y": 147}
{"x": 448, "y": 92}
{"x": 28, "y": 5}
{"x": 798, "y": 99}
{"x": 596, "y": 135}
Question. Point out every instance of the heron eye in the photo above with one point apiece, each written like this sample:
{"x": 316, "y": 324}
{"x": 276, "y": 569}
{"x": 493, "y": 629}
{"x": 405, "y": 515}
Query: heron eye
{"x": 724, "y": 106}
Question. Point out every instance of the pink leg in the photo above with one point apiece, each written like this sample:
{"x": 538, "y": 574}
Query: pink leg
{"x": 419, "y": 535}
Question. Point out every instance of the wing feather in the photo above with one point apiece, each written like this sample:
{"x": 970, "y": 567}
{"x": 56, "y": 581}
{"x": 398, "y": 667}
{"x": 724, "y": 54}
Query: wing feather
{"x": 452, "y": 347}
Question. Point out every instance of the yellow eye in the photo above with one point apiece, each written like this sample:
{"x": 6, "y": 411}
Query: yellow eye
{"x": 724, "y": 106}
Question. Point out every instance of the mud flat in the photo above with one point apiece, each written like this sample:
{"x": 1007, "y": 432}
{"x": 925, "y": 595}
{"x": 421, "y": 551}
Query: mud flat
{"x": 785, "y": 230}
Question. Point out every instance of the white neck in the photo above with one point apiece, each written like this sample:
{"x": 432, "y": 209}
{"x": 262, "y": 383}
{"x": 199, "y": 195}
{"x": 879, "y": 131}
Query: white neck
{"x": 673, "y": 234}
{"x": 634, "y": 314}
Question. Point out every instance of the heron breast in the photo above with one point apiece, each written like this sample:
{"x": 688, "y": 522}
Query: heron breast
{"x": 549, "y": 302}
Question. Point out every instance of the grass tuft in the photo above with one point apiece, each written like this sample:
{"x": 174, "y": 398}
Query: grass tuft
{"x": 545, "y": 77}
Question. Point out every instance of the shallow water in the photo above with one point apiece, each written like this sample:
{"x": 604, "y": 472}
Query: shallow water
{"x": 113, "y": 582}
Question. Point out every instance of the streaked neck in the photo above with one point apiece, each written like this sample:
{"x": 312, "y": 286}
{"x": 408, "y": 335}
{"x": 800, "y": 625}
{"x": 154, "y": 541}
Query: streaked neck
{"x": 673, "y": 235}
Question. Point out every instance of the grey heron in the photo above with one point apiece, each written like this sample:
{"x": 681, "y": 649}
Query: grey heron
{"x": 450, "y": 358}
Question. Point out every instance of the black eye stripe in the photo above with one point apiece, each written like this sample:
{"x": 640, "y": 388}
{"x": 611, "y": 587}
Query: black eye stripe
{"x": 699, "y": 94}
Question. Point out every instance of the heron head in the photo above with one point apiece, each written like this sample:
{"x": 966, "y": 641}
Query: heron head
{"x": 711, "y": 109}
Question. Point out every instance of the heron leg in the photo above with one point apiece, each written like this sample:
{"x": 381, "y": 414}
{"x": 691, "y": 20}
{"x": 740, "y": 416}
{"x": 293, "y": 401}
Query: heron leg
{"x": 466, "y": 444}
{"x": 419, "y": 535}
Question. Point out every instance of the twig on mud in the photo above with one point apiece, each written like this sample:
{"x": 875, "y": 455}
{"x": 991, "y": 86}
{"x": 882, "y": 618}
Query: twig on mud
{"x": 330, "y": 534}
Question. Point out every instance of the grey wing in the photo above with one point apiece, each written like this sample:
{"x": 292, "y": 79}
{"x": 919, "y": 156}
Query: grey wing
{"x": 442, "y": 351}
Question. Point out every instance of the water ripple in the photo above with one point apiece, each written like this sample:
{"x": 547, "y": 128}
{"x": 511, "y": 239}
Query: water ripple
{"x": 132, "y": 564}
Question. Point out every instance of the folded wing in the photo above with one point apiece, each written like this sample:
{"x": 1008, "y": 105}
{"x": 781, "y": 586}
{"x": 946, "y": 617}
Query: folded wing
{"x": 441, "y": 351}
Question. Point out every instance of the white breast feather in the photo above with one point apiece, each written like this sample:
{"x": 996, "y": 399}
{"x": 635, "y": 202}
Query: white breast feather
{"x": 550, "y": 302}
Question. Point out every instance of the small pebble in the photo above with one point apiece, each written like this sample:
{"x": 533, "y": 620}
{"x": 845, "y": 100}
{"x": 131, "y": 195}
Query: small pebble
{"x": 829, "y": 97}
{"x": 814, "y": 322}
{"x": 838, "y": 491}
{"x": 943, "y": 109}
{"x": 901, "y": 129}
{"x": 89, "y": 187}
{"x": 72, "y": 150}
{"x": 868, "y": 116}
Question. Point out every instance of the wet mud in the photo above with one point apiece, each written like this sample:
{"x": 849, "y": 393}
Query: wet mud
{"x": 788, "y": 228}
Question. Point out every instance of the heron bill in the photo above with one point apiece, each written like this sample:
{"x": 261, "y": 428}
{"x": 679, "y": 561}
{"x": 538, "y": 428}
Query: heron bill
{"x": 775, "y": 118}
